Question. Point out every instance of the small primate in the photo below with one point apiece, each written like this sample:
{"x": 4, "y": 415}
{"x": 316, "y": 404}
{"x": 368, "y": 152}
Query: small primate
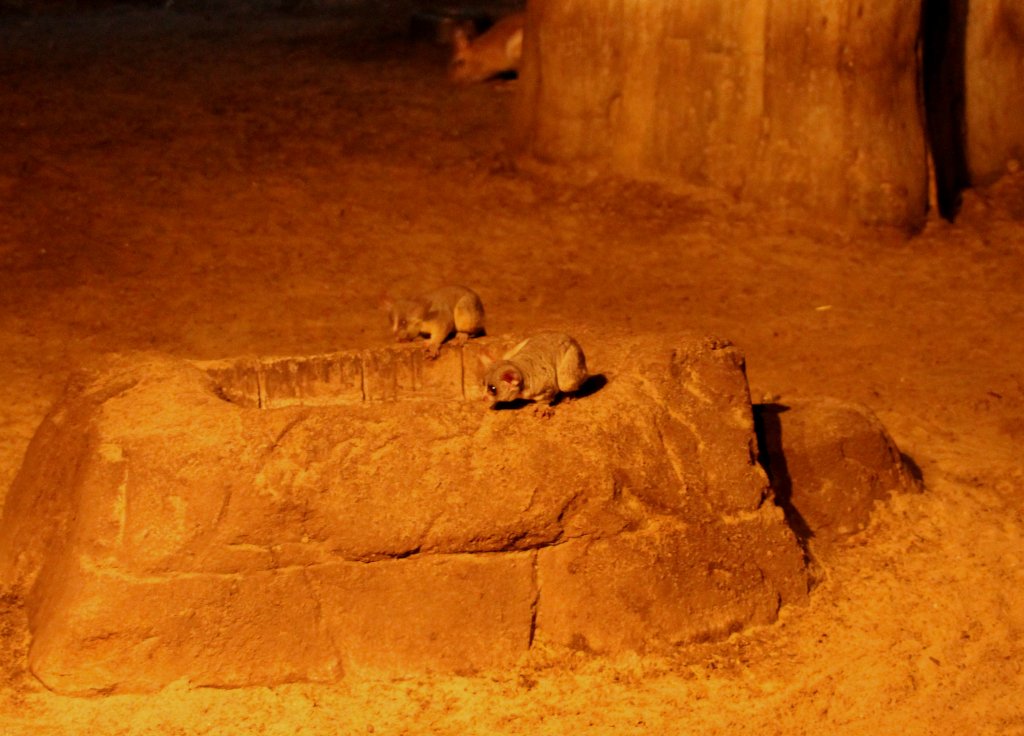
{"x": 540, "y": 368}
{"x": 438, "y": 315}
{"x": 497, "y": 51}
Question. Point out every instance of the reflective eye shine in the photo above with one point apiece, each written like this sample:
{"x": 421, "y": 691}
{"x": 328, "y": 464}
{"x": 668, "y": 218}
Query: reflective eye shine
{"x": 491, "y": 389}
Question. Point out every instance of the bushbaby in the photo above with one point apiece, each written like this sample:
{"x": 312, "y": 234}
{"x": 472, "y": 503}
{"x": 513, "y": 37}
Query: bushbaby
{"x": 498, "y": 50}
{"x": 437, "y": 314}
{"x": 539, "y": 368}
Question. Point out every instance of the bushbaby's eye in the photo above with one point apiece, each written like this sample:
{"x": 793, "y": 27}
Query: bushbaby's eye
{"x": 491, "y": 389}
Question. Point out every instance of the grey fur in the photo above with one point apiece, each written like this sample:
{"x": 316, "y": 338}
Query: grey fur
{"x": 538, "y": 369}
{"x": 498, "y": 50}
{"x": 438, "y": 314}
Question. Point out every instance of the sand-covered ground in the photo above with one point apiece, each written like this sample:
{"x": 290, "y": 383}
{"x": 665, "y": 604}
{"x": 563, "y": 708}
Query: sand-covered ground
{"x": 212, "y": 185}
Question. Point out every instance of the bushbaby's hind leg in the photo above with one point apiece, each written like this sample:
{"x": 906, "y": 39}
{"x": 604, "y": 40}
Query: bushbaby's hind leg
{"x": 571, "y": 370}
{"x": 468, "y": 317}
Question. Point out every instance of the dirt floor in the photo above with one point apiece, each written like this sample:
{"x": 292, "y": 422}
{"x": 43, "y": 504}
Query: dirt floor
{"x": 217, "y": 185}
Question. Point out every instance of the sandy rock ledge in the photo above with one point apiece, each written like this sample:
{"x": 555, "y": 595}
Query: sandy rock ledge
{"x": 258, "y": 521}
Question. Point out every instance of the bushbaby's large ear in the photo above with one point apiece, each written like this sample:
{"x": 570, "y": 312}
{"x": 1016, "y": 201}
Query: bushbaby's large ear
{"x": 460, "y": 38}
{"x": 486, "y": 358}
{"x": 514, "y": 46}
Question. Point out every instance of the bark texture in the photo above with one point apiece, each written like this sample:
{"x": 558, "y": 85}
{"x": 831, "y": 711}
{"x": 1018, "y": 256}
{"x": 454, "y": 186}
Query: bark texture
{"x": 789, "y": 104}
{"x": 994, "y": 87}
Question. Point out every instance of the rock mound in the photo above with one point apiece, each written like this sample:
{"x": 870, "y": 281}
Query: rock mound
{"x": 266, "y": 520}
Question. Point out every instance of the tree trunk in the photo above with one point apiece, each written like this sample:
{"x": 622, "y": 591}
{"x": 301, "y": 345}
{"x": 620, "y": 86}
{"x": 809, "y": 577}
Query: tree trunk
{"x": 994, "y": 87}
{"x": 789, "y": 103}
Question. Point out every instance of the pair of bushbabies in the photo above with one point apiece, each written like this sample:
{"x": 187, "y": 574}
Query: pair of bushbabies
{"x": 540, "y": 368}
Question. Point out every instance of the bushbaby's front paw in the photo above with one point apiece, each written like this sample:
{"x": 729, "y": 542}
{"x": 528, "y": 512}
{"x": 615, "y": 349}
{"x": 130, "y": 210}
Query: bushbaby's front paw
{"x": 543, "y": 410}
{"x": 431, "y": 351}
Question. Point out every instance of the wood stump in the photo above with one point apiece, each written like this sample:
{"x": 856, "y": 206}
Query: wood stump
{"x": 789, "y": 104}
{"x": 994, "y": 87}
